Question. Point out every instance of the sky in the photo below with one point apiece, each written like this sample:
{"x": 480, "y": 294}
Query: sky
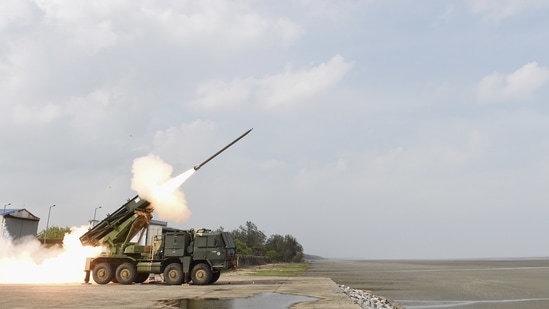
{"x": 382, "y": 129}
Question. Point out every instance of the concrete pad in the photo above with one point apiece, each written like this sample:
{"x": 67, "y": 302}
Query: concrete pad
{"x": 150, "y": 295}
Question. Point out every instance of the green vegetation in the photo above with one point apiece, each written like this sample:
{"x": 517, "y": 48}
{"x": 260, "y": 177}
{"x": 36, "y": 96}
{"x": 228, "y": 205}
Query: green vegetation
{"x": 55, "y": 234}
{"x": 282, "y": 270}
{"x": 277, "y": 248}
{"x": 249, "y": 239}
{"x": 284, "y": 249}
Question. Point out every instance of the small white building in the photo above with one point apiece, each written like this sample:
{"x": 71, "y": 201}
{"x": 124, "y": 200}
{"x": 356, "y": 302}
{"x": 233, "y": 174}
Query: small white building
{"x": 18, "y": 223}
{"x": 155, "y": 228}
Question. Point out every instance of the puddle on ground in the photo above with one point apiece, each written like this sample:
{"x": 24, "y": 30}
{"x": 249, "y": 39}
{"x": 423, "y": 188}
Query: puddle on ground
{"x": 262, "y": 300}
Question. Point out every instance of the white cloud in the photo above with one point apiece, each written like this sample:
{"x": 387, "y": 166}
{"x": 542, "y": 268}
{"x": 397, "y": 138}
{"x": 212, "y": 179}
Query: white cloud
{"x": 333, "y": 10}
{"x": 287, "y": 30}
{"x": 97, "y": 25}
{"x": 450, "y": 151}
{"x": 496, "y": 10}
{"x": 92, "y": 112}
{"x": 221, "y": 23}
{"x": 180, "y": 145}
{"x": 85, "y": 25}
{"x": 278, "y": 91}
{"x": 95, "y": 37}
{"x": 291, "y": 87}
{"x": 15, "y": 13}
{"x": 217, "y": 94}
{"x": 520, "y": 84}
{"x": 44, "y": 114}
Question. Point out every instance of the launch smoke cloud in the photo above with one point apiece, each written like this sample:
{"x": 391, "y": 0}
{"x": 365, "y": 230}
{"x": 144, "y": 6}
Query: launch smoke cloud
{"x": 27, "y": 261}
{"x": 153, "y": 182}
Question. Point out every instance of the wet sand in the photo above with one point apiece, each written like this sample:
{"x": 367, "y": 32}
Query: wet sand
{"x": 471, "y": 284}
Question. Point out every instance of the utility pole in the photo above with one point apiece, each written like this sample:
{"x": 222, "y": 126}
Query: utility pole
{"x": 93, "y": 222}
{"x": 47, "y": 225}
{"x": 94, "y": 212}
{"x": 3, "y": 219}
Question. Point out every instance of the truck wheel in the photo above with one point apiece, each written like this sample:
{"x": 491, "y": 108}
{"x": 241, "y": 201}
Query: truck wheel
{"x": 173, "y": 274}
{"x": 102, "y": 273}
{"x": 126, "y": 273}
{"x": 201, "y": 274}
{"x": 141, "y": 277}
{"x": 215, "y": 276}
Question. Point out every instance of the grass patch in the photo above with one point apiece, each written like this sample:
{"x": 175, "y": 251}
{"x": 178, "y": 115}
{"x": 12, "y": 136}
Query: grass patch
{"x": 281, "y": 270}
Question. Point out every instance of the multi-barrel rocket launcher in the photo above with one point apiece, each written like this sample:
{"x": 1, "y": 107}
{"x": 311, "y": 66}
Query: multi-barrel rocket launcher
{"x": 180, "y": 255}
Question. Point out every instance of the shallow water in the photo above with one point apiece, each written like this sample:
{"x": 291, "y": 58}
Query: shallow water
{"x": 438, "y": 304}
{"x": 262, "y": 300}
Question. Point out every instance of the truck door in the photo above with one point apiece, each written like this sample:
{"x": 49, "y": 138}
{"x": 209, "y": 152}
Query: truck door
{"x": 209, "y": 247}
{"x": 175, "y": 244}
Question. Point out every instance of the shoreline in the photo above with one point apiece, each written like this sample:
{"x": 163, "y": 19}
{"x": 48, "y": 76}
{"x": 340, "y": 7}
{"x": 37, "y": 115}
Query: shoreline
{"x": 478, "y": 283}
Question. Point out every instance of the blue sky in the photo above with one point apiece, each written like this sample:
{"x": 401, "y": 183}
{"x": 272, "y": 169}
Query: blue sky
{"x": 382, "y": 129}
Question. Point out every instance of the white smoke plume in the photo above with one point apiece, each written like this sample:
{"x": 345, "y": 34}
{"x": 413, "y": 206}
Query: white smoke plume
{"x": 27, "y": 261}
{"x": 153, "y": 182}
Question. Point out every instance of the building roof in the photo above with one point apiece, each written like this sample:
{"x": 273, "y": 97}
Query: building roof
{"x": 19, "y": 214}
{"x": 7, "y": 211}
{"x": 157, "y": 222}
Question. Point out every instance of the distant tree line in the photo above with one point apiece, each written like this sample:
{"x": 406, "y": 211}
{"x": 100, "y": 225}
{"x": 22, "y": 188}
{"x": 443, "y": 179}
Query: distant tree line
{"x": 250, "y": 241}
{"x": 277, "y": 248}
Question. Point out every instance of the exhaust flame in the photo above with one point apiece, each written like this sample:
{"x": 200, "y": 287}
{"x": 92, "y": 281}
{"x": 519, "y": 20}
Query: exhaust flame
{"x": 152, "y": 181}
{"x": 27, "y": 261}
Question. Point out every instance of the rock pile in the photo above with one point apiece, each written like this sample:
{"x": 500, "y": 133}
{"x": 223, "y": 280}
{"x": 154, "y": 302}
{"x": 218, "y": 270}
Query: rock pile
{"x": 367, "y": 300}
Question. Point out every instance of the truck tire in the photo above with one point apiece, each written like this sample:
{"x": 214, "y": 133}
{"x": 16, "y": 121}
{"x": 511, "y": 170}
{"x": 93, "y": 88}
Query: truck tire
{"x": 215, "y": 276}
{"x": 173, "y": 274}
{"x": 141, "y": 277}
{"x": 201, "y": 274}
{"x": 126, "y": 273}
{"x": 102, "y": 273}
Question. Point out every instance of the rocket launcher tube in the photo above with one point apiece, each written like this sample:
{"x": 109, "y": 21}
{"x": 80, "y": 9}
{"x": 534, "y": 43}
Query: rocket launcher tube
{"x": 197, "y": 167}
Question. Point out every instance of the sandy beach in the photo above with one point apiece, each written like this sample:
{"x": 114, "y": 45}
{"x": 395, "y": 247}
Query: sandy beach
{"x": 471, "y": 284}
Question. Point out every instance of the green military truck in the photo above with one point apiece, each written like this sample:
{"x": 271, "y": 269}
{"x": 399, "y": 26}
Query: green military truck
{"x": 182, "y": 256}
